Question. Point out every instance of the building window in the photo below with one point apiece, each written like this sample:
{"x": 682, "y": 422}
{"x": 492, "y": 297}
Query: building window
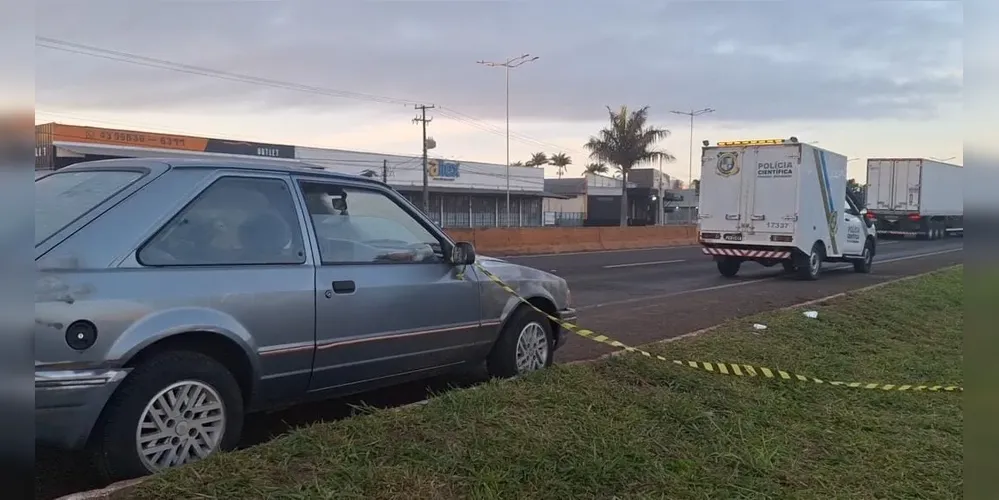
{"x": 483, "y": 211}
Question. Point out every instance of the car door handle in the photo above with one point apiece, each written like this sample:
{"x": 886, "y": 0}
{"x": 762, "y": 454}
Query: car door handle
{"x": 344, "y": 286}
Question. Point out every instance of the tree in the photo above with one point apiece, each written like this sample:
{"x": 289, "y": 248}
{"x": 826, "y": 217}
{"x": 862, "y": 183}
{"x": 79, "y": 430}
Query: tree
{"x": 537, "y": 160}
{"x": 596, "y": 168}
{"x": 696, "y": 185}
{"x": 561, "y": 162}
{"x": 676, "y": 184}
{"x": 628, "y": 141}
{"x": 517, "y": 164}
{"x": 858, "y": 191}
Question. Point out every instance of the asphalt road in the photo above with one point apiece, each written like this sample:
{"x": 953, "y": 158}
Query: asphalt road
{"x": 635, "y": 296}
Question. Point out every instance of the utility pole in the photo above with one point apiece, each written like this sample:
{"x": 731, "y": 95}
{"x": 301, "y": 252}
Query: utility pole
{"x": 507, "y": 65}
{"x": 423, "y": 120}
{"x": 385, "y": 171}
{"x": 692, "y": 114}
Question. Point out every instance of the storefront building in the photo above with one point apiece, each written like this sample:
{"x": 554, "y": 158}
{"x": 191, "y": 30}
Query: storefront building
{"x": 461, "y": 194}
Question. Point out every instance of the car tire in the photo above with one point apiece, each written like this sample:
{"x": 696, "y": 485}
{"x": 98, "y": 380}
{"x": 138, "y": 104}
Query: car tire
{"x": 810, "y": 267}
{"x": 788, "y": 266}
{"x": 865, "y": 264}
{"x": 114, "y": 441}
{"x": 525, "y": 345}
{"x": 729, "y": 267}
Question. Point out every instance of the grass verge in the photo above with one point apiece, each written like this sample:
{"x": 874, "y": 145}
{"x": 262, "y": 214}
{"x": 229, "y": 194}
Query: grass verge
{"x": 631, "y": 427}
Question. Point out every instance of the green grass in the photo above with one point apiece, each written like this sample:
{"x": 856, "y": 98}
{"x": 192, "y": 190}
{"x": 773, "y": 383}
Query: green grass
{"x": 632, "y": 427}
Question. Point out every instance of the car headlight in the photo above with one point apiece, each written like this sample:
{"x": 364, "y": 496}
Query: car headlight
{"x": 568, "y": 297}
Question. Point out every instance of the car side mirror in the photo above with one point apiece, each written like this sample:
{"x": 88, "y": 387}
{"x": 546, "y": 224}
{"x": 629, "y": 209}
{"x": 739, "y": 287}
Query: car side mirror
{"x": 462, "y": 254}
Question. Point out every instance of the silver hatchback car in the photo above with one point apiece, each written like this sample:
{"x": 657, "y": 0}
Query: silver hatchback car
{"x": 176, "y": 295}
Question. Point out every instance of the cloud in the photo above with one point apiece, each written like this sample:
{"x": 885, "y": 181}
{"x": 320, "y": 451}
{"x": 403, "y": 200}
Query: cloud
{"x": 752, "y": 61}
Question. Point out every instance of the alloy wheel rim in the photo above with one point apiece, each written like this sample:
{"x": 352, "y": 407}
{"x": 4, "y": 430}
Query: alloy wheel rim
{"x": 532, "y": 348}
{"x": 181, "y": 424}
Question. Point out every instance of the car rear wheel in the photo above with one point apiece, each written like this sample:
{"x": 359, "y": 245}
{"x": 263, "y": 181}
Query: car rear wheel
{"x": 175, "y": 408}
{"x": 729, "y": 267}
{"x": 525, "y": 345}
{"x": 811, "y": 266}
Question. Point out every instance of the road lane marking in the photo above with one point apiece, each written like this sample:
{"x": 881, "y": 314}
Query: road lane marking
{"x": 749, "y": 282}
{"x": 635, "y": 264}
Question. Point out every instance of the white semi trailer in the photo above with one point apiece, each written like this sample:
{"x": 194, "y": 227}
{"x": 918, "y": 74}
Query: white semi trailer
{"x": 915, "y": 197}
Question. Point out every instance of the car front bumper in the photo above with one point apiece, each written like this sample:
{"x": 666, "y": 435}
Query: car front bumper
{"x": 68, "y": 403}
{"x": 569, "y": 316}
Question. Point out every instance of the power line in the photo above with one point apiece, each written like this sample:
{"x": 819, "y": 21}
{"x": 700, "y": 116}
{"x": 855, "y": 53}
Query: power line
{"x": 152, "y": 62}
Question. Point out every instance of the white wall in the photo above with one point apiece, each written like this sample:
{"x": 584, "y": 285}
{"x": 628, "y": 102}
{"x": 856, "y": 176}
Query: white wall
{"x": 407, "y": 170}
{"x": 572, "y": 205}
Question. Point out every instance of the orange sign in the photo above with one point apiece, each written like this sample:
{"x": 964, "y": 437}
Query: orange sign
{"x": 93, "y": 135}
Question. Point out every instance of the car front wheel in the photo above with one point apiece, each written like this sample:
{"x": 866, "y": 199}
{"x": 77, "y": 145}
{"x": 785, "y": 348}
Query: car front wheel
{"x": 525, "y": 345}
{"x": 175, "y": 408}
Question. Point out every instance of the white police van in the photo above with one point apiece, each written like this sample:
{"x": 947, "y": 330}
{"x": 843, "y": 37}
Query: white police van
{"x": 779, "y": 201}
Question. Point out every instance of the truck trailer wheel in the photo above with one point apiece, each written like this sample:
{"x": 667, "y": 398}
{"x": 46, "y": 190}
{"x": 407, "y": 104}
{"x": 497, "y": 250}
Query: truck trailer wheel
{"x": 810, "y": 265}
{"x": 729, "y": 267}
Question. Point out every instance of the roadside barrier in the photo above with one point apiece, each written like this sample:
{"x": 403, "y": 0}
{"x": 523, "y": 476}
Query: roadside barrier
{"x": 736, "y": 369}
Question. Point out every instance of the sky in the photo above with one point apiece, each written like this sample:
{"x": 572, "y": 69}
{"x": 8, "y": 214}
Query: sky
{"x": 861, "y": 78}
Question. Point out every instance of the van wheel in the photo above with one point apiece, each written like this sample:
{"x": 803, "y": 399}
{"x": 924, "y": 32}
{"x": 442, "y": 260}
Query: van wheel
{"x": 525, "y": 345}
{"x": 788, "y": 266}
{"x": 864, "y": 264}
{"x": 729, "y": 267}
{"x": 176, "y": 408}
{"x": 811, "y": 266}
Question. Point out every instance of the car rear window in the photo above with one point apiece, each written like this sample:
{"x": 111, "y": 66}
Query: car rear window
{"x": 64, "y": 197}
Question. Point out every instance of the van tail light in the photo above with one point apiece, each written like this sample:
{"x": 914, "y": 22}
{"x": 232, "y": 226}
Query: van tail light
{"x": 914, "y": 217}
{"x": 871, "y": 215}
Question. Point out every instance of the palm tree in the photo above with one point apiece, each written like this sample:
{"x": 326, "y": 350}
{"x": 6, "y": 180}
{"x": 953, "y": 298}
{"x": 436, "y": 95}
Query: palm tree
{"x": 561, "y": 162}
{"x": 537, "y": 160}
{"x": 596, "y": 168}
{"x": 517, "y": 164}
{"x": 629, "y": 141}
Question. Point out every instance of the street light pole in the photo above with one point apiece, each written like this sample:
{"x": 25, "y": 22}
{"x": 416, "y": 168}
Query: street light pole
{"x": 692, "y": 114}
{"x": 507, "y": 65}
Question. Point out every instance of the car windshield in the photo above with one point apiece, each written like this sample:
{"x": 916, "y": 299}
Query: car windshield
{"x": 63, "y": 197}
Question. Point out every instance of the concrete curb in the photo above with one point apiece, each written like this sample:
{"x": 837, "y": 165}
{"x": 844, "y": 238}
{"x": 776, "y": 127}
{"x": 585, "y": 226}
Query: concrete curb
{"x": 106, "y": 492}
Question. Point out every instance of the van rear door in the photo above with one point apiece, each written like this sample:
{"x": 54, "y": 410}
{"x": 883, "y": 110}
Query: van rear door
{"x": 772, "y": 205}
{"x": 721, "y": 196}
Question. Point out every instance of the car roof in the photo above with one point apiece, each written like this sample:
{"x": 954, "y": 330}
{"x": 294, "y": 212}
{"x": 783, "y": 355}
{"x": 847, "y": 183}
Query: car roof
{"x": 249, "y": 163}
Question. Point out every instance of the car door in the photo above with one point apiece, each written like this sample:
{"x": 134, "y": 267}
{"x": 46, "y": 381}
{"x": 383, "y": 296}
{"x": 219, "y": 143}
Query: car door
{"x": 387, "y": 302}
{"x": 854, "y": 230}
{"x": 234, "y": 259}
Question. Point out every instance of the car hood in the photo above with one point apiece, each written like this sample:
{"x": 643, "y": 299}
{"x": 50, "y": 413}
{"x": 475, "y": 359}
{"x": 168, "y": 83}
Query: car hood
{"x": 527, "y": 281}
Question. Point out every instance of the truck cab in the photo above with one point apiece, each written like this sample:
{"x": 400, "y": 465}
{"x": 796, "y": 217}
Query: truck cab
{"x": 779, "y": 201}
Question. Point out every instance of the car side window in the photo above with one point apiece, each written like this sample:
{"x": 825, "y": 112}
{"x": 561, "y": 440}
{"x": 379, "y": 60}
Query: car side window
{"x": 364, "y": 226}
{"x": 234, "y": 221}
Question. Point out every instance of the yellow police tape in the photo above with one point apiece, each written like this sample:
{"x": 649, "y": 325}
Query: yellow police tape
{"x": 739, "y": 370}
